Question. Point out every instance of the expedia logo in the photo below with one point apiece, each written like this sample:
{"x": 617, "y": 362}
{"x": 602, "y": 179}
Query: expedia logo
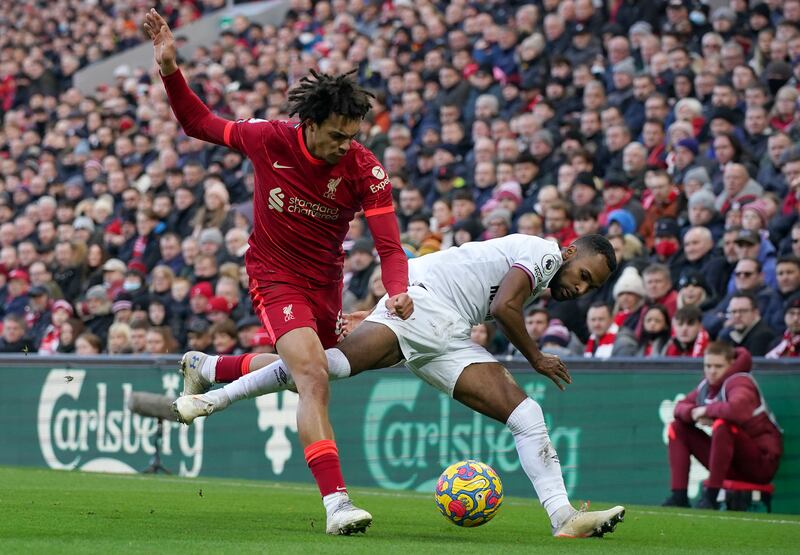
{"x": 379, "y": 186}
{"x": 276, "y": 199}
{"x": 378, "y": 172}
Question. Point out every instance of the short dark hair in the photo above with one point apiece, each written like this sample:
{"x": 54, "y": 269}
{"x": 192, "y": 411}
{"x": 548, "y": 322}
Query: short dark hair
{"x": 412, "y": 189}
{"x": 755, "y": 261}
{"x": 320, "y": 95}
{"x": 19, "y": 320}
{"x": 535, "y": 309}
{"x": 721, "y": 348}
{"x": 586, "y": 212}
{"x": 463, "y": 194}
{"x": 600, "y": 304}
{"x": 597, "y": 244}
{"x": 789, "y": 259}
{"x": 688, "y": 315}
{"x": 419, "y": 218}
{"x": 745, "y": 295}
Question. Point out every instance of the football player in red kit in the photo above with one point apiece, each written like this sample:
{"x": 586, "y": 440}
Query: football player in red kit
{"x": 310, "y": 179}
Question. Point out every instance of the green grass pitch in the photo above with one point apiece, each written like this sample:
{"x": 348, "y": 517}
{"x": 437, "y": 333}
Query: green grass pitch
{"x": 51, "y": 512}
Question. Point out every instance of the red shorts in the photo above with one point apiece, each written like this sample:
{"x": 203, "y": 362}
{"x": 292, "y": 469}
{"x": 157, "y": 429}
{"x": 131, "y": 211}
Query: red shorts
{"x": 283, "y": 307}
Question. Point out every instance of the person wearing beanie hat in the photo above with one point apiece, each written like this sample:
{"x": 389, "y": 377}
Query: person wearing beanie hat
{"x": 629, "y": 282}
{"x": 703, "y": 212}
{"x": 555, "y": 339}
{"x": 693, "y": 290}
{"x": 497, "y": 223}
{"x": 621, "y": 221}
{"x": 60, "y": 312}
{"x": 755, "y": 215}
{"x": 17, "y": 296}
{"x": 760, "y": 17}
{"x": 510, "y": 189}
{"x": 628, "y": 295}
{"x": 696, "y": 178}
{"x": 689, "y": 144}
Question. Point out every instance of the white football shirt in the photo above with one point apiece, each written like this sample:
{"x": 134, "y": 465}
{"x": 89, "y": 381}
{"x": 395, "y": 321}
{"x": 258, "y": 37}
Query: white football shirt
{"x": 468, "y": 277}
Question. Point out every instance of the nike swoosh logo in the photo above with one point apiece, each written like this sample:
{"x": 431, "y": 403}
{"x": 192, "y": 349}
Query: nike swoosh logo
{"x": 278, "y": 166}
{"x": 340, "y": 488}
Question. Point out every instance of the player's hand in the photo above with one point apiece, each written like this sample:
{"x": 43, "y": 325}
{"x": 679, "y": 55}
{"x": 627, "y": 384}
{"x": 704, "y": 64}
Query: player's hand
{"x": 554, "y": 368}
{"x": 157, "y": 30}
{"x": 698, "y": 413}
{"x": 352, "y": 320}
{"x": 401, "y": 304}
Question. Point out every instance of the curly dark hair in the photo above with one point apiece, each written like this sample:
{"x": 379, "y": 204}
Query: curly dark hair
{"x": 597, "y": 244}
{"x": 320, "y": 95}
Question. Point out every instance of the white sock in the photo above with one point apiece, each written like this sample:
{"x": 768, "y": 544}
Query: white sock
{"x": 272, "y": 378}
{"x": 209, "y": 368}
{"x": 332, "y": 500}
{"x": 539, "y": 460}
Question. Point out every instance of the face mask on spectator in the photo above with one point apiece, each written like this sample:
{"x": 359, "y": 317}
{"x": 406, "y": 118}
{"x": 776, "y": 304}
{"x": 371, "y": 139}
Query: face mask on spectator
{"x": 666, "y": 249}
{"x": 131, "y": 285}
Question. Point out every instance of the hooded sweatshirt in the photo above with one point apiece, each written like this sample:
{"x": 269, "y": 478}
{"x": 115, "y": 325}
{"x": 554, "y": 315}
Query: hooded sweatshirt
{"x": 736, "y": 399}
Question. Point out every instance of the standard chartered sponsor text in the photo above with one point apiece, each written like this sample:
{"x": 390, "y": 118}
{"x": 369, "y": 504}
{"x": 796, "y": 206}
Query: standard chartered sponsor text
{"x": 313, "y": 209}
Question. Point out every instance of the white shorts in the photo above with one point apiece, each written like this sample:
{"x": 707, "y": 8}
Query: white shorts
{"x": 435, "y": 340}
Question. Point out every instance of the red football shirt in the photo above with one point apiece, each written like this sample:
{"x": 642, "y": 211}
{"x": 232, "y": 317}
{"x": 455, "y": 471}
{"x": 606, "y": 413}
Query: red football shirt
{"x": 302, "y": 206}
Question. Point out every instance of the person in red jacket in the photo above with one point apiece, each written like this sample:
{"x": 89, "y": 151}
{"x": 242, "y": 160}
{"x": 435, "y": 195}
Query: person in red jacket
{"x": 745, "y": 442}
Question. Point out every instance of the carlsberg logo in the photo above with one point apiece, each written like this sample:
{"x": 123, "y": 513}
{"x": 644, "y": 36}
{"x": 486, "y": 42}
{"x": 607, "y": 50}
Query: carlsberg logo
{"x": 409, "y": 437}
{"x": 81, "y": 427}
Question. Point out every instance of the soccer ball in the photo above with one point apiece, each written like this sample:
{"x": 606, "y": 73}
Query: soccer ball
{"x": 469, "y": 493}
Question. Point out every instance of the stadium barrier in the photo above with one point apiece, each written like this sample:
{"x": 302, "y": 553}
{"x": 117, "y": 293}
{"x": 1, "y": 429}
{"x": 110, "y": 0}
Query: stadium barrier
{"x": 393, "y": 431}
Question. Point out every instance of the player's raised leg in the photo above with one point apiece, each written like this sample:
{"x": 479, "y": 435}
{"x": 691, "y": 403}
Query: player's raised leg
{"x": 490, "y": 389}
{"x": 369, "y": 346}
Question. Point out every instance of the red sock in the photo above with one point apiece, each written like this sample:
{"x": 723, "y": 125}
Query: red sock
{"x": 323, "y": 460}
{"x": 231, "y": 368}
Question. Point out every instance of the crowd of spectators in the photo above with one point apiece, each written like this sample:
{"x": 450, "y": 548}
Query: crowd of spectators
{"x": 665, "y": 125}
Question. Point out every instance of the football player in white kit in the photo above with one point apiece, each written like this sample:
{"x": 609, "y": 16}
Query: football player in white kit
{"x": 453, "y": 290}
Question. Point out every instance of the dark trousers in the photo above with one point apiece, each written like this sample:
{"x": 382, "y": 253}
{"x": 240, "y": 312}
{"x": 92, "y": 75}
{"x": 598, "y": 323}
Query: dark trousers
{"x": 728, "y": 454}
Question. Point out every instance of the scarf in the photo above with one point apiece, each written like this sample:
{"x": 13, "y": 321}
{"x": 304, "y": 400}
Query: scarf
{"x": 621, "y": 316}
{"x": 601, "y": 347}
{"x": 603, "y": 218}
{"x": 789, "y": 347}
{"x": 790, "y": 204}
{"x": 49, "y": 343}
{"x": 649, "y": 200}
{"x": 139, "y": 247}
{"x": 696, "y": 350}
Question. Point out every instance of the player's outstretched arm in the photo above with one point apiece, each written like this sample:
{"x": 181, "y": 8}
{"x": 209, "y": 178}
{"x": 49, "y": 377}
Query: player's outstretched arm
{"x": 194, "y": 116}
{"x": 506, "y": 309}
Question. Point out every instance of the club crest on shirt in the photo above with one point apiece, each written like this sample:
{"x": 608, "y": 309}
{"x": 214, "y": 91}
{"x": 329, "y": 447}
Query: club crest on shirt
{"x": 549, "y": 264}
{"x": 287, "y": 313}
{"x": 332, "y": 184}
